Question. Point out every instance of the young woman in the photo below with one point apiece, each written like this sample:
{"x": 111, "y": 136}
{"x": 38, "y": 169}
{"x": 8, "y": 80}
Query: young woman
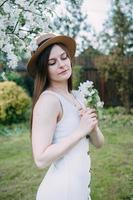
{"x": 60, "y": 122}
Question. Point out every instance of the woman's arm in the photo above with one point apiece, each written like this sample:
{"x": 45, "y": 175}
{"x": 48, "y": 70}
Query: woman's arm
{"x": 96, "y": 137}
{"x": 45, "y": 116}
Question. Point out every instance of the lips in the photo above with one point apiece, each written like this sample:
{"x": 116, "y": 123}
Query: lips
{"x": 63, "y": 71}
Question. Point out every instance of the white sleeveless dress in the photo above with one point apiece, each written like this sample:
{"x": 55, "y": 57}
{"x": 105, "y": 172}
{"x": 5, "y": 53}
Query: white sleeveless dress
{"x": 68, "y": 178}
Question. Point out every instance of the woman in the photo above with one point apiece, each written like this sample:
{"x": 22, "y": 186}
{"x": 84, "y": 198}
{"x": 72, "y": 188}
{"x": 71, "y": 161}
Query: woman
{"x": 60, "y": 123}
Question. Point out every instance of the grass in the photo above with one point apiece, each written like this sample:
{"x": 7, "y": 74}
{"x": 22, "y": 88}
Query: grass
{"x": 19, "y": 178}
{"x": 112, "y": 172}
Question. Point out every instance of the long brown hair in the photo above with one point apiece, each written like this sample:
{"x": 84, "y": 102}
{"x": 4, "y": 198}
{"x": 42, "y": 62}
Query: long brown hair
{"x": 42, "y": 80}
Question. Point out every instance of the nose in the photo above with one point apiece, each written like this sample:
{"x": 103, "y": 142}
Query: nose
{"x": 60, "y": 63}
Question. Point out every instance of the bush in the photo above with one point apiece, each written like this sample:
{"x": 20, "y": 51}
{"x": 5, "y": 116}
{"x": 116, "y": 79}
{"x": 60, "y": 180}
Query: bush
{"x": 115, "y": 110}
{"x": 76, "y": 76}
{"x": 116, "y": 116}
{"x": 14, "y": 102}
{"x": 25, "y": 82}
{"x": 14, "y": 129}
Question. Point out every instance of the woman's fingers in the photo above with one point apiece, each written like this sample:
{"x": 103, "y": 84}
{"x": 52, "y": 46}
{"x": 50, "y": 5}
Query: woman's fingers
{"x": 88, "y": 112}
{"x": 87, "y": 109}
{"x": 82, "y": 111}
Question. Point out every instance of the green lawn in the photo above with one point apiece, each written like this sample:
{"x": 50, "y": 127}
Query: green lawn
{"x": 112, "y": 171}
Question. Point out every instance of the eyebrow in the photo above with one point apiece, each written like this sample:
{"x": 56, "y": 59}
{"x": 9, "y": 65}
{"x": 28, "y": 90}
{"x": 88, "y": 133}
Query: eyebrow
{"x": 60, "y": 55}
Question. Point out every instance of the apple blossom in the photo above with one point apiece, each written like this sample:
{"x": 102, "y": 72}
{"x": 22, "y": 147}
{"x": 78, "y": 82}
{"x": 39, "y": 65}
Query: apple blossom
{"x": 90, "y": 97}
{"x": 20, "y": 21}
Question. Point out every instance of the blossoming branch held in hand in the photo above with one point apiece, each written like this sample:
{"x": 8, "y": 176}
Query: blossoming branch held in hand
{"x": 90, "y": 96}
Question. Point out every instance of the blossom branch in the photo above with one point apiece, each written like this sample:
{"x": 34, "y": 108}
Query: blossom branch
{"x": 15, "y": 26}
{"x": 26, "y": 10}
{"x": 19, "y": 23}
{"x": 31, "y": 2}
{"x": 28, "y": 31}
{"x": 3, "y": 3}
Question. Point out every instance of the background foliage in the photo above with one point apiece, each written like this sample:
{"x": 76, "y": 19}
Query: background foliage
{"x": 14, "y": 103}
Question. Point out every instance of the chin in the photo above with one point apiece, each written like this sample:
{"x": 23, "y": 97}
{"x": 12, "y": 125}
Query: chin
{"x": 65, "y": 78}
{"x": 66, "y": 75}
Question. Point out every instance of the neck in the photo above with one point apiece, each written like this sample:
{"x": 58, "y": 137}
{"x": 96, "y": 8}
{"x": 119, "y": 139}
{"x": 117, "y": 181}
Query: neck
{"x": 61, "y": 88}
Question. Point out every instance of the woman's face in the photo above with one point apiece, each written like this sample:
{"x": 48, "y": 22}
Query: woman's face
{"x": 59, "y": 65}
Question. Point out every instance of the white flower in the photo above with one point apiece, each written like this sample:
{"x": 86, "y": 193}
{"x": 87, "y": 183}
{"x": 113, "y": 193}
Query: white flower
{"x": 33, "y": 45}
{"x": 8, "y": 47}
{"x": 11, "y": 56}
{"x": 3, "y": 38}
{"x": 14, "y": 14}
{"x": 89, "y": 84}
{"x": 22, "y": 34}
{"x": 12, "y": 64}
{"x": 22, "y": 3}
{"x": 6, "y": 7}
{"x": 90, "y": 95}
{"x": 100, "y": 104}
{"x": 12, "y": 60}
{"x": 86, "y": 85}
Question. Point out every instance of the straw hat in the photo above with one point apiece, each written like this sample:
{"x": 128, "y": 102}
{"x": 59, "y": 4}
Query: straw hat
{"x": 42, "y": 42}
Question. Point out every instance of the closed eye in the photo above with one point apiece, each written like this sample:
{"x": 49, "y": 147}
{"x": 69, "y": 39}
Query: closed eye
{"x": 52, "y": 62}
{"x": 64, "y": 56}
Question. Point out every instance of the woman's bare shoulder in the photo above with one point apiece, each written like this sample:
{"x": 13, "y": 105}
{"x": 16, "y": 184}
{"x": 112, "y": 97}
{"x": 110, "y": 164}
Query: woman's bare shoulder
{"x": 48, "y": 101}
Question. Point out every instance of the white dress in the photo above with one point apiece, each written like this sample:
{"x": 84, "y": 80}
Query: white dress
{"x": 68, "y": 178}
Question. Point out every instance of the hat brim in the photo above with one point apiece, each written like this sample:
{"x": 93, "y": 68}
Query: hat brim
{"x": 65, "y": 40}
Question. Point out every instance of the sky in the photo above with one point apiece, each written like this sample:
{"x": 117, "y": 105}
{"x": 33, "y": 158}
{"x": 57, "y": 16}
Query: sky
{"x": 97, "y": 11}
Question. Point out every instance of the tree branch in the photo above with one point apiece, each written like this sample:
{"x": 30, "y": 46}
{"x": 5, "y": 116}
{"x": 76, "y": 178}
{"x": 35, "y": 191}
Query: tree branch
{"x": 3, "y": 3}
{"x": 15, "y": 26}
{"x": 26, "y": 10}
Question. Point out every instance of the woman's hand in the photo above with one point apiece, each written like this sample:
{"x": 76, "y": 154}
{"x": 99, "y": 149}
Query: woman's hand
{"x": 88, "y": 121}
